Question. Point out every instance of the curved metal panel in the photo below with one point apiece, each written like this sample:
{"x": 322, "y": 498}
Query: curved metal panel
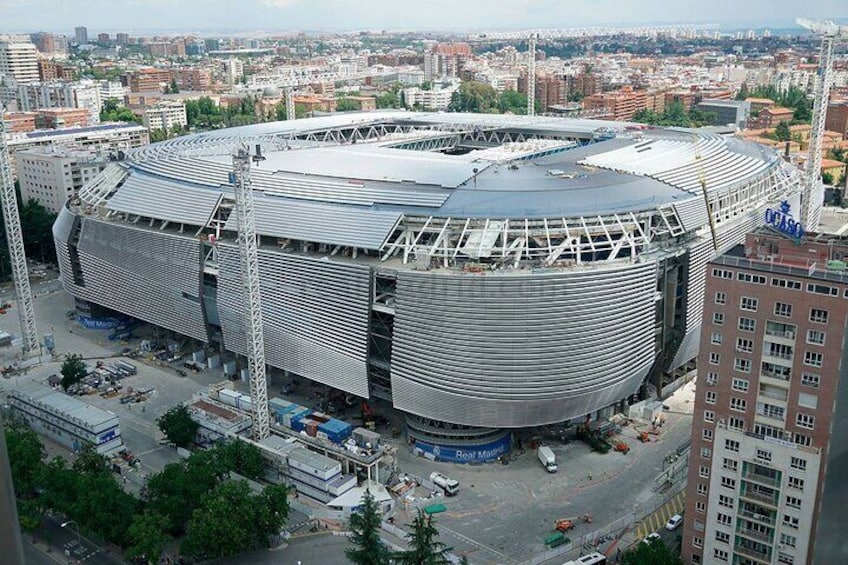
{"x": 518, "y": 350}
{"x": 315, "y": 315}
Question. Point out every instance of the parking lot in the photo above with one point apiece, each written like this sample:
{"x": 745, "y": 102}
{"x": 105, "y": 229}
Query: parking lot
{"x": 503, "y": 512}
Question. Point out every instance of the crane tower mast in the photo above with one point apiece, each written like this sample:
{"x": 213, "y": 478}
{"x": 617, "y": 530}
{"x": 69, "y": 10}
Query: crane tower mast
{"x": 249, "y": 255}
{"x": 15, "y": 239}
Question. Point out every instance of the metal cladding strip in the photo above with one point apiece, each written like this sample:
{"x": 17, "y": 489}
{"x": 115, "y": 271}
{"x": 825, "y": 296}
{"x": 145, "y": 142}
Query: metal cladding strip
{"x": 152, "y": 197}
{"x": 163, "y": 258}
{"x": 518, "y": 350}
{"x": 315, "y": 315}
{"x": 335, "y": 225}
{"x": 112, "y": 285}
{"x": 692, "y": 213}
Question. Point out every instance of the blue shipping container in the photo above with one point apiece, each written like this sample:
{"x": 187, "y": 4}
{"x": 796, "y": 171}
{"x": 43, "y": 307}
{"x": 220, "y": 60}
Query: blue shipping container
{"x": 298, "y": 424}
{"x": 336, "y": 430}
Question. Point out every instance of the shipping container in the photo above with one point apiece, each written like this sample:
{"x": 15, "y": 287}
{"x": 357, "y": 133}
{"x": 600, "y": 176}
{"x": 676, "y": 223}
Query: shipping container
{"x": 229, "y": 397}
{"x": 336, "y": 430}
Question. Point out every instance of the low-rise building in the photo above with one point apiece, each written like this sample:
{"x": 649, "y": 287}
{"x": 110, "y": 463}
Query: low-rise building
{"x": 217, "y": 422}
{"x": 770, "y": 117}
{"x": 364, "y": 103}
{"x": 19, "y": 122}
{"x": 724, "y": 112}
{"x": 620, "y": 105}
{"x": 51, "y": 176}
{"x": 66, "y": 420}
{"x": 55, "y": 118}
{"x": 437, "y": 98}
{"x": 837, "y": 117}
{"x": 165, "y": 115}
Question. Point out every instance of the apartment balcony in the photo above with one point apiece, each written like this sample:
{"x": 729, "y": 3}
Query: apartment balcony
{"x": 759, "y": 498}
{"x": 764, "y": 519}
{"x": 782, "y": 396}
{"x": 771, "y": 417}
{"x": 751, "y": 553}
{"x": 761, "y": 537}
{"x": 777, "y": 358}
{"x": 766, "y": 480}
{"x": 774, "y": 379}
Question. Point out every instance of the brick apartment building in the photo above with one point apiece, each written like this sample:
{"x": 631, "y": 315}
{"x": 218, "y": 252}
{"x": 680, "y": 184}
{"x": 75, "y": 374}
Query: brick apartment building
{"x": 770, "y": 117}
{"x": 147, "y": 80}
{"x": 56, "y": 118}
{"x": 51, "y": 70}
{"x": 619, "y": 105}
{"x": 837, "y": 118}
{"x": 770, "y": 428}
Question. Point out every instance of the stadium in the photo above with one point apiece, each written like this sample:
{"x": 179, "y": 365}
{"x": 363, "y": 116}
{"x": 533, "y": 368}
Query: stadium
{"x": 481, "y": 272}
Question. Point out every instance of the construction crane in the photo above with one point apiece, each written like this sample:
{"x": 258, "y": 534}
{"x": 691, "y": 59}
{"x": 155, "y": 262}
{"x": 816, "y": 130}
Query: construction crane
{"x": 531, "y": 75}
{"x": 15, "y": 239}
{"x": 249, "y": 255}
{"x": 830, "y": 33}
{"x": 290, "y": 108}
{"x": 702, "y": 180}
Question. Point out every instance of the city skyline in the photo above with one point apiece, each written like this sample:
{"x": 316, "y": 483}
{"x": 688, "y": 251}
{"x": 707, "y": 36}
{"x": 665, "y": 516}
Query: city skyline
{"x": 287, "y": 15}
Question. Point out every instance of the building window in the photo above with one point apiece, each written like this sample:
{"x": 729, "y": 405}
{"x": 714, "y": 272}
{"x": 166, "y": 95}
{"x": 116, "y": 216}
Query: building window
{"x": 700, "y": 507}
{"x": 710, "y": 397}
{"x": 718, "y": 318}
{"x": 722, "y": 274}
{"x": 715, "y": 358}
{"x": 737, "y": 424}
{"x": 742, "y": 365}
{"x": 703, "y": 489}
{"x": 805, "y": 421}
{"x": 815, "y": 337}
{"x": 704, "y": 472}
{"x": 748, "y": 303}
{"x": 803, "y": 440}
{"x": 709, "y": 416}
{"x": 790, "y": 521}
{"x": 725, "y": 501}
{"x": 741, "y": 384}
{"x": 782, "y": 309}
{"x": 707, "y": 434}
{"x": 750, "y": 278}
{"x": 747, "y": 325}
{"x": 731, "y": 445}
{"x": 738, "y": 404}
{"x": 696, "y": 559}
{"x": 722, "y": 537}
{"x": 785, "y": 559}
{"x": 810, "y": 379}
{"x": 822, "y": 289}
{"x": 724, "y": 519}
{"x": 715, "y": 338}
{"x": 744, "y": 345}
{"x": 796, "y": 483}
{"x": 786, "y": 283}
{"x": 730, "y": 464}
{"x": 712, "y": 378}
{"x": 720, "y": 298}
{"x": 763, "y": 455}
{"x": 706, "y": 453}
{"x": 727, "y": 482}
{"x": 793, "y": 502}
{"x": 697, "y": 542}
{"x": 818, "y": 315}
{"x": 798, "y": 463}
{"x": 807, "y": 400}
{"x": 788, "y": 541}
{"x": 813, "y": 358}
{"x": 720, "y": 554}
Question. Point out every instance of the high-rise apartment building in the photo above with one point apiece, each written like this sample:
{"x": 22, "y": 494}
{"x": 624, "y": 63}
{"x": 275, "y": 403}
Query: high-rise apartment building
{"x": 41, "y": 95}
{"x": 19, "y": 61}
{"x": 81, "y": 35}
{"x": 770, "y": 432}
{"x": 52, "y": 176}
{"x": 619, "y": 105}
{"x": 165, "y": 115}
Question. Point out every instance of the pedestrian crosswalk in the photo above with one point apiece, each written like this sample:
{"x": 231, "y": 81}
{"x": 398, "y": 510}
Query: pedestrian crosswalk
{"x": 658, "y": 519}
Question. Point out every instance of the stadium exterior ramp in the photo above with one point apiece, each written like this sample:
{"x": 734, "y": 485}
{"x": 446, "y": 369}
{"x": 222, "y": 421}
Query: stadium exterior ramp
{"x": 478, "y": 271}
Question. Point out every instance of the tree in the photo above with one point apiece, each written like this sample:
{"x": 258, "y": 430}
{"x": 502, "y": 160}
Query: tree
{"x": 148, "y": 537}
{"x": 178, "y": 426}
{"x": 827, "y": 178}
{"x": 346, "y": 105}
{"x": 645, "y": 116}
{"x": 26, "y": 458}
{"x": 424, "y": 548}
{"x": 474, "y": 96}
{"x": 242, "y": 457}
{"x": 655, "y": 552}
{"x": 675, "y": 116}
{"x": 38, "y": 231}
{"x": 174, "y": 88}
{"x": 781, "y": 132}
{"x": 512, "y": 102}
{"x": 73, "y": 371}
{"x": 365, "y": 535}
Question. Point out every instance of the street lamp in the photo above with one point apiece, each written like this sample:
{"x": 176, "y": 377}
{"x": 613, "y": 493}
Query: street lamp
{"x": 68, "y": 523}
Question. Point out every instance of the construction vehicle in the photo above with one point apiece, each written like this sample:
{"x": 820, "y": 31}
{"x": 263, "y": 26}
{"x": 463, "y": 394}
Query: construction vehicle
{"x": 644, "y": 437}
{"x": 621, "y": 447}
{"x": 592, "y": 439}
{"x": 565, "y": 524}
{"x": 547, "y": 458}
{"x": 449, "y": 486}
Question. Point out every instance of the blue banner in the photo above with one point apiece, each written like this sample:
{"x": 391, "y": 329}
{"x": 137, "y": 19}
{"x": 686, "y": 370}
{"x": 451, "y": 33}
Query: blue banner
{"x": 467, "y": 454}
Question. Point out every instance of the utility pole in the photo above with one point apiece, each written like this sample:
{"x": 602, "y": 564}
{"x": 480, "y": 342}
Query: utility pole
{"x": 15, "y": 239}
{"x": 249, "y": 255}
{"x": 830, "y": 33}
{"x": 531, "y": 75}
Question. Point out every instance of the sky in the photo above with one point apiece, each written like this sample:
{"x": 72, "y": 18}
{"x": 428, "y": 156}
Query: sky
{"x": 144, "y": 16}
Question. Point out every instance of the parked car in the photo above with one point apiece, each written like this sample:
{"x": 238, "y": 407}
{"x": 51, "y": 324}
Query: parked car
{"x": 650, "y": 538}
{"x": 674, "y": 522}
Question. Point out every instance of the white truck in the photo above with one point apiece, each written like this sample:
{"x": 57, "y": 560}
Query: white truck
{"x": 547, "y": 458}
{"x": 449, "y": 486}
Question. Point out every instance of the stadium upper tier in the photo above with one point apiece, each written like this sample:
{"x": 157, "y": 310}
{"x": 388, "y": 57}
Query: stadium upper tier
{"x": 484, "y": 270}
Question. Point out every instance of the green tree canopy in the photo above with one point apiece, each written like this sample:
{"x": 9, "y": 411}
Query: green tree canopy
{"x": 242, "y": 457}
{"x": 513, "y": 102}
{"x": 365, "y": 535}
{"x": 827, "y": 178}
{"x": 112, "y": 111}
{"x": 781, "y": 132}
{"x": 424, "y": 547}
{"x": 73, "y": 370}
{"x": 474, "y": 96}
{"x": 655, "y": 552}
{"x": 147, "y": 537}
{"x": 178, "y": 426}
{"x": 26, "y": 458}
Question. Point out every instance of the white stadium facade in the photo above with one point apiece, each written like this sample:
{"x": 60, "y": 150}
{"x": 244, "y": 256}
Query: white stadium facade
{"x": 482, "y": 272}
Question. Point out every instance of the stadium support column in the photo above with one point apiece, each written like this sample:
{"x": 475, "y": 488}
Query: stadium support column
{"x": 249, "y": 255}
